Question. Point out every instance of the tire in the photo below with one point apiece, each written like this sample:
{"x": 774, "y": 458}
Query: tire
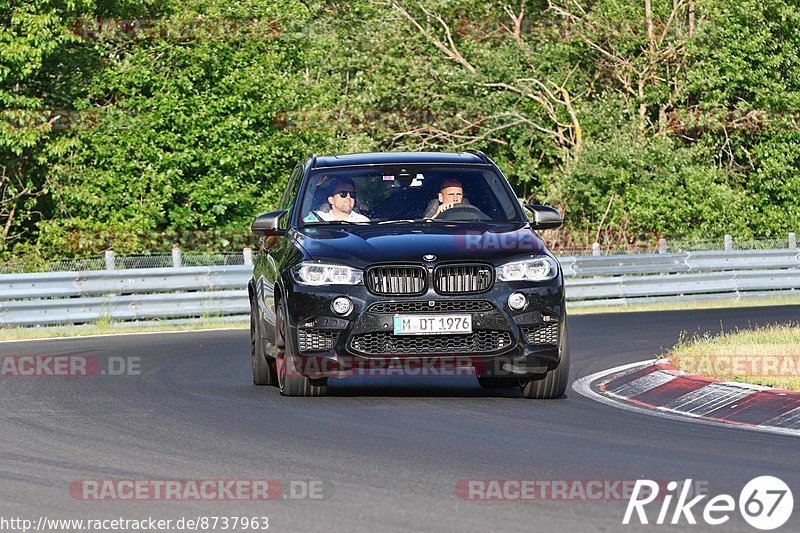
{"x": 554, "y": 384}
{"x": 498, "y": 383}
{"x": 290, "y": 381}
{"x": 263, "y": 367}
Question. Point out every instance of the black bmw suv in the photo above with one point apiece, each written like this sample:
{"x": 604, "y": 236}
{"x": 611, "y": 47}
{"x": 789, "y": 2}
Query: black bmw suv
{"x": 397, "y": 258}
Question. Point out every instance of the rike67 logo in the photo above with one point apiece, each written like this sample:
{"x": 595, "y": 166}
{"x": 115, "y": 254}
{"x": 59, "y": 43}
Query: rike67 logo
{"x": 765, "y": 503}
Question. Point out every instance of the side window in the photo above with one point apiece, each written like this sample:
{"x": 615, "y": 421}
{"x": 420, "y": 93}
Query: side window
{"x": 290, "y": 194}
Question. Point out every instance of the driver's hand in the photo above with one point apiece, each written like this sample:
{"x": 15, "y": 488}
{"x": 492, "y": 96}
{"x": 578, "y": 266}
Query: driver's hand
{"x": 444, "y": 207}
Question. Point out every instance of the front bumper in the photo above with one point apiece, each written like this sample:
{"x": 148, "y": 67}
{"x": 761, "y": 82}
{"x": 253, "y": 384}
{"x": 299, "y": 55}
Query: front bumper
{"x": 503, "y": 343}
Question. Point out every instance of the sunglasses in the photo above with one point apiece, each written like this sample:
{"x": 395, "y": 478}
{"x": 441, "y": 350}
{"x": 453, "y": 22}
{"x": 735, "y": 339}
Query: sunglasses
{"x": 344, "y": 194}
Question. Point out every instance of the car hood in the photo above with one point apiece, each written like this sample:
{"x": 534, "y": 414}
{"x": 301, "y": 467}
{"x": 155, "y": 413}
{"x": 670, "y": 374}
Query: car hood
{"x": 362, "y": 245}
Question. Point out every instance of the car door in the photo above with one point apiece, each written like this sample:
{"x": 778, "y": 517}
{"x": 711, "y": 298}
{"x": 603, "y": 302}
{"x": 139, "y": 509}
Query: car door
{"x": 270, "y": 256}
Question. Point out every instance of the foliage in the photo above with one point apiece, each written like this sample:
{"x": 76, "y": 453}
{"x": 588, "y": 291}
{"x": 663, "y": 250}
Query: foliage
{"x": 677, "y": 119}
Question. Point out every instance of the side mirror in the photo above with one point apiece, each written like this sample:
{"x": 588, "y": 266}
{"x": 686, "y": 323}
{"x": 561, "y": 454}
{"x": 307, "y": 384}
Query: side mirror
{"x": 545, "y": 217}
{"x": 266, "y": 224}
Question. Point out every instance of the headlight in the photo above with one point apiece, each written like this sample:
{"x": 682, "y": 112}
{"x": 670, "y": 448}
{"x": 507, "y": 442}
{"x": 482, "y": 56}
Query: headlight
{"x": 323, "y": 274}
{"x": 538, "y": 269}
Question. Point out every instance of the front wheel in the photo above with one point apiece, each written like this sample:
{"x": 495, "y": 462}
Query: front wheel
{"x": 554, "y": 384}
{"x": 290, "y": 381}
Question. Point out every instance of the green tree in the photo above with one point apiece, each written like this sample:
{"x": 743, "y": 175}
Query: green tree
{"x": 38, "y": 80}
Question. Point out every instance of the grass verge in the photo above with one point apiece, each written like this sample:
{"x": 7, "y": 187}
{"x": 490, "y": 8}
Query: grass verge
{"x": 105, "y": 326}
{"x": 767, "y": 356}
{"x": 684, "y": 305}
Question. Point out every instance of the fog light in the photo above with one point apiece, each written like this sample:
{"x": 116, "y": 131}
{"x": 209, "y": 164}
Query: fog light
{"x": 342, "y": 305}
{"x": 517, "y": 301}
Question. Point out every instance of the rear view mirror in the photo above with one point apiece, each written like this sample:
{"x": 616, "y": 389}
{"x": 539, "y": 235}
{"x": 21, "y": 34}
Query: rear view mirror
{"x": 545, "y": 217}
{"x": 266, "y": 224}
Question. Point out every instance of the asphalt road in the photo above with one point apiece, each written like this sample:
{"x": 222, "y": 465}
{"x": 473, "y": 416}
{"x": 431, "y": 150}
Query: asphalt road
{"x": 388, "y": 451}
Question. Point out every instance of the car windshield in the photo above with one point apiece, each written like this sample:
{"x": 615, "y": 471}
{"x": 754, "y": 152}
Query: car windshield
{"x": 438, "y": 193}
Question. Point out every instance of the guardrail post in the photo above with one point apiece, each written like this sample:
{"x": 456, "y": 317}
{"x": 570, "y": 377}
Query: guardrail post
{"x": 176, "y": 257}
{"x": 596, "y": 248}
{"x": 247, "y": 253}
{"x": 793, "y": 240}
{"x": 111, "y": 263}
{"x": 728, "y": 243}
{"x": 662, "y": 246}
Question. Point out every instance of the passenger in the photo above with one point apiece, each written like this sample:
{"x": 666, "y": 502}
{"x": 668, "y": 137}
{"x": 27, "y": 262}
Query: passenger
{"x": 342, "y": 200}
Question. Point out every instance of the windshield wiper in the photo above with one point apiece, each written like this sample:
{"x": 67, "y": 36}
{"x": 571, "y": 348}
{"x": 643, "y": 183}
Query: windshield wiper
{"x": 412, "y": 220}
{"x": 406, "y": 221}
{"x": 454, "y": 221}
{"x": 328, "y": 222}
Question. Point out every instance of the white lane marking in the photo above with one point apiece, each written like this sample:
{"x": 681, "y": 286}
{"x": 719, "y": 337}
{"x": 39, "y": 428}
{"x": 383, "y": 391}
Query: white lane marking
{"x": 787, "y": 419}
{"x": 126, "y": 333}
{"x": 748, "y": 386}
{"x": 702, "y": 401}
{"x": 583, "y": 386}
{"x": 643, "y": 384}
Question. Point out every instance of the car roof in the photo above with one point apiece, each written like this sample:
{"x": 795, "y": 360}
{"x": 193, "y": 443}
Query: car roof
{"x": 399, "y": 158}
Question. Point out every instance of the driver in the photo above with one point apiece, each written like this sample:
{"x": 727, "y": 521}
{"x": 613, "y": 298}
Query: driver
{"x": 451, "y": 194}
{"x": 342, "y": 199}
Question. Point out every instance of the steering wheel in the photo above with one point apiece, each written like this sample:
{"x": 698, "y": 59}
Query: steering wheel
{"x": 463, "y": 212}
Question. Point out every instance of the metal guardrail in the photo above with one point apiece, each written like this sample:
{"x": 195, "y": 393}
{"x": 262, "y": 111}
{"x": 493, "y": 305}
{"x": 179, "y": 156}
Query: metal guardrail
{"x": 134, "y": 294}
{"x": 624, "y": 279}
{"x": 181, "y": 292}
{"x": 132, "y": 307}
{"x": 131, "y": 281}
{"x": 614, "y": 265}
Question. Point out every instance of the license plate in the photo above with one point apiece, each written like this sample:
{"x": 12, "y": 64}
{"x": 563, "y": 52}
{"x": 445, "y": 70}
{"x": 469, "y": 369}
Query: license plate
{"x": 432, "y": 324}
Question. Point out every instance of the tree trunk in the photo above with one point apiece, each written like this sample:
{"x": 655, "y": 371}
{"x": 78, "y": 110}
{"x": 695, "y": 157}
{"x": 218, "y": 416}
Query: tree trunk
{"x": 648, "y": 13}
{"x": 9, "y": 220}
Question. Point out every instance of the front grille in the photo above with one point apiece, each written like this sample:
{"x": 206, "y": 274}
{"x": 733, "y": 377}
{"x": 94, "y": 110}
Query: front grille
{"x": 463, "y": 279}
{"x": 395, "y": 280}
{"x": 316, "y": 340}
{"x": 439, "y": 306}
{"x": 382, "y": 343}
{"x": 541, "y": 334}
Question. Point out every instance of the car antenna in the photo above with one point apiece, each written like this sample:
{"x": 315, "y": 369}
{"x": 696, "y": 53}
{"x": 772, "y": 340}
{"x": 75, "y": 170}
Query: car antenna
{"x": 481, "y": 155}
